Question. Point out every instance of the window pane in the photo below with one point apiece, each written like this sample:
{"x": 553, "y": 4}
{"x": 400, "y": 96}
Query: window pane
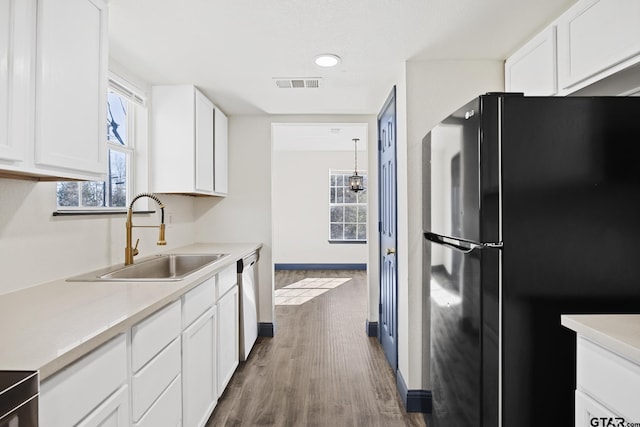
{"x": 362, "y": 195}
{"x": 339, "y": 180}
{"x": 362, "y": 231}
{"x": 93, "y": 194}
{"x": 67, "y": 194}
{"x": 350, "y": 231}
{"x": 117, "y": 178}
{"x": 336, "y": 231}
{"x": 351, "y": 214}
{"x": 350, "y": 196}
{"x": 116, "y": 119}
{"x": 332, "y": 196}
{"x": 362, "y": 214}
{"x": 337, "y": 214}
{"x": 339, "y": 195}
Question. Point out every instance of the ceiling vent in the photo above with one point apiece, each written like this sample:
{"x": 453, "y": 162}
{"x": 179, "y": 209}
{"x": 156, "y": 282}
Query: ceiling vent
{"x": 298, "y": 83}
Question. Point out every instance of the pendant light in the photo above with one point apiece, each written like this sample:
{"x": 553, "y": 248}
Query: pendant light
{"x": 356, "y": 182}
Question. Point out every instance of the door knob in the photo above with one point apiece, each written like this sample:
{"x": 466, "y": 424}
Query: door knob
{"x": 391, "y": 251}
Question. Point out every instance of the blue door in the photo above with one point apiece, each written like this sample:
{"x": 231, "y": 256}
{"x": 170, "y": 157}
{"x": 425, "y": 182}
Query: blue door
{"x": 387, "y": 229}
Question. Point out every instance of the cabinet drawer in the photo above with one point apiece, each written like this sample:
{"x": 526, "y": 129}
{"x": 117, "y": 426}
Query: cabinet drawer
{"x": 154, "y": 333}
{"x": 588, "y": 409}
{"x": 167, "y": 410}
{"x": 74, "y": 392}
{"x": 154, "y": 378}
{"x": 113, "y": 412}
{"x": 227, "y": 278}
{"x": 198, "y": 300}
{"x": 611, "y": 379}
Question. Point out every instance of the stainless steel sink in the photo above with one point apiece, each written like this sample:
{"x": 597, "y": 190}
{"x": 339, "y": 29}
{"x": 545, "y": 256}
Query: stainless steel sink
{"x": 161, "y": 268}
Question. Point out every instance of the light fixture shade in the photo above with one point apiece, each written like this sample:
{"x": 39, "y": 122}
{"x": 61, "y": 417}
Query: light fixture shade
{"x": 356, "y": 182}
{"x": 327, "y": 60}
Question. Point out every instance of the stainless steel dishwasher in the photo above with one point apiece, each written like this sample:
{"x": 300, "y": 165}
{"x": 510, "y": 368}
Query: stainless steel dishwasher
{"x": 248, "y": 283}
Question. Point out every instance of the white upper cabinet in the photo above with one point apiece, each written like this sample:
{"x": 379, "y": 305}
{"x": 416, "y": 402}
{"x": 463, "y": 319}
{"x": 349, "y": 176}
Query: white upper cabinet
{"x": 204, "y": 144}
{"x": 185, "y": 133}
{"x": 221, "y": 181}
{"x": 591, "y": 49}
{"x": 53, "y": 82}
{"x": 16, "y": 48}
{"x": 532, "y": 69}
{"x": 596, "y": 36}
{"x": 71, "y": 82}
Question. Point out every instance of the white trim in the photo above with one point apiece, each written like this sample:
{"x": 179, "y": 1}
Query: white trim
{"x": 126, "y": 89}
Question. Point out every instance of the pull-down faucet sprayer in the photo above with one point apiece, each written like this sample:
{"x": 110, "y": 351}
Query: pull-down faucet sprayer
{"x": 131, "y": 251}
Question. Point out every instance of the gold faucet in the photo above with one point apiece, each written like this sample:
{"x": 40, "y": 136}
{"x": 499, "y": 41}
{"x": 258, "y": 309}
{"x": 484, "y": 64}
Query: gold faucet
{"x": 129, "y": 251}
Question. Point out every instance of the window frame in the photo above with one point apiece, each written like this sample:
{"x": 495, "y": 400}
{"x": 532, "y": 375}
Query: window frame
{"x": 358, "y": 203}
{"x": 136, "y": 103}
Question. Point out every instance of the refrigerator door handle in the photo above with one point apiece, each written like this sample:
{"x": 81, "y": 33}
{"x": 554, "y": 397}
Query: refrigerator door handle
{"x": 459, "y": 244}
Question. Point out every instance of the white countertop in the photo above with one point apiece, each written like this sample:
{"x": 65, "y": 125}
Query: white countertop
{"x": 49, "y": 326}
{"x": 619, "y": 333}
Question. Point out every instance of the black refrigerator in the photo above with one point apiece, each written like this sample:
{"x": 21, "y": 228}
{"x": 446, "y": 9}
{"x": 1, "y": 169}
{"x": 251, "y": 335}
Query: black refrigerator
{"x": 532, "y": 210}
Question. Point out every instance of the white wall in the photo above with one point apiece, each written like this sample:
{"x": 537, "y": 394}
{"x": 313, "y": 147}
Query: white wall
{"x": 301, "y": 211}
{"x": 427, "y": 92}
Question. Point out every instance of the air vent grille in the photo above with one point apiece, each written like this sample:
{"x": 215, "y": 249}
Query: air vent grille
{"x": 298, "y": 83}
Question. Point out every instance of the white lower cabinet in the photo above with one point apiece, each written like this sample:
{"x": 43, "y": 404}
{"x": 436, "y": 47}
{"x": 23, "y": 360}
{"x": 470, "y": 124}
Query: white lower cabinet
{"x": 607, "y": 386}
{"x": 90, "y": 390}
{"x": 228, "y": 337}
{"x": 199, "y": 387}
{"x": 168, "y": 370}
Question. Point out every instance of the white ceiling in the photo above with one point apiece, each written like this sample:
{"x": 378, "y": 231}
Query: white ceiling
{"x": 232, "y": 49}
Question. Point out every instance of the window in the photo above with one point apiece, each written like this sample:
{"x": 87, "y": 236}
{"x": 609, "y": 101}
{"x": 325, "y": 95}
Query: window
{"x": 115, "y": 192}
{"x": 347, "y": 209}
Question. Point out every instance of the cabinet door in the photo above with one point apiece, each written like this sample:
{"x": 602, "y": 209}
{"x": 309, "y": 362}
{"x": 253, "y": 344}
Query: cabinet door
{"x": 221, "y": 153}
{"x": 71, "y": 85}
{"x": 532, "y": 69}
{"x": 228, "y": 337}
{"x": 16, "y": 47}
{"x": 199, "y": 387}
{"x": 114, "y": 412}
{"x": 204, "y": 143}
{"x": 595, "y": 35}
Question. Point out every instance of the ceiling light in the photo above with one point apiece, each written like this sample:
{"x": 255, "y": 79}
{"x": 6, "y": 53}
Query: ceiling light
{"x": 327, "y": 60}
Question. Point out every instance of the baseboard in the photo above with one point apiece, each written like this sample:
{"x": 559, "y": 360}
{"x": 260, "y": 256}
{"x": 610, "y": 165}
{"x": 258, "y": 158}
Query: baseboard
{"x": 320, "y": 267}
{"x": 414, "y": 400}
{"x": 266, "y": 330}
{"x": 372, "y": 329}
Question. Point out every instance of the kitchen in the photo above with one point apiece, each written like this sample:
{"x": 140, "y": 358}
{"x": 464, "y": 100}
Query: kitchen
{"x": 29, "y": 231}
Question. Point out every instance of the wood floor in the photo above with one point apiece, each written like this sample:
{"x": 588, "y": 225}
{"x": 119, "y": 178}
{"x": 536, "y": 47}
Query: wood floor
{"x": 320, "y": 369}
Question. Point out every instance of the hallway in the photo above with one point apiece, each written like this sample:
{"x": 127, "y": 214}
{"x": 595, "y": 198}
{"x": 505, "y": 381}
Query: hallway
{"x": 319, "y": 370}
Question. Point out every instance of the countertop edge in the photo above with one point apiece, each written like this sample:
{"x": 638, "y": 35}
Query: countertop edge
{"x": 620, "y": 333}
